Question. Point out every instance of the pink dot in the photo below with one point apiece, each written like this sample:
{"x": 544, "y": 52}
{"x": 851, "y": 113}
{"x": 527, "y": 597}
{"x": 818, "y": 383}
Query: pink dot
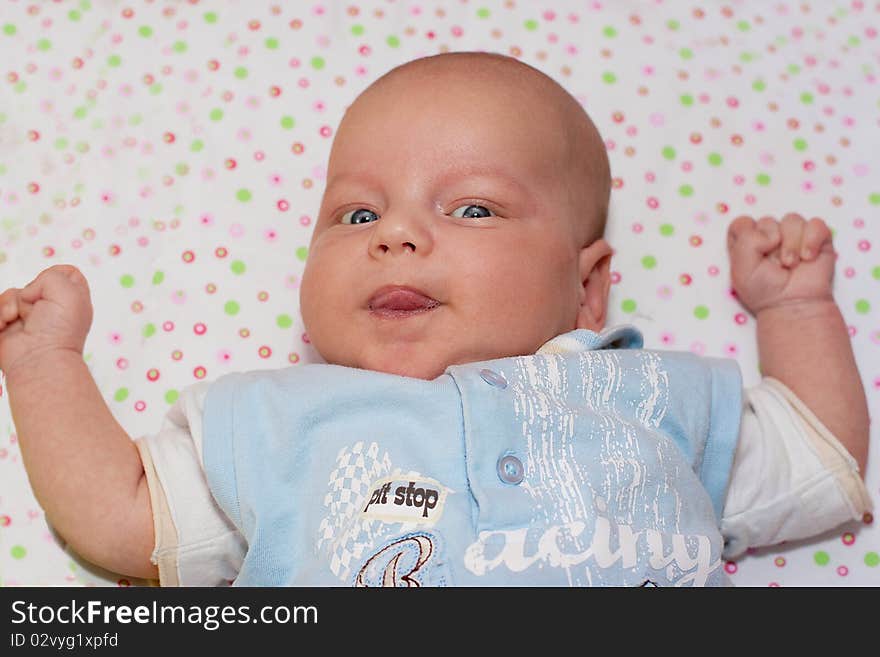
{"x": 686, "y": 166}
{"x": 615, "y": 279}
{"x": 848, "y": 538}
{"x": 730, "y": 567}
{"x": 200, "y": 328}
{"x": 750, "y": 199}
{"x": 740, "y": 318}
{"x": 698, "y": 348}
{"x": 843, "y": 571}
{"x": 864, "y": 245}
{"x": 664, "y": 292}
{"x": 731, "y": 349}
{"x": 667, "y": 338}
{"x": 139, "y": 406}
{"x": 168, "y": 326}
{"x": 849, "y": 272}
{"x": 739, "y": 179}
{"x": 224, "y": 356}
{"x": 457, "y": 31}
{"x": 115, "y": 338}
{"x": 649, "y": 176}
{"x": 236, "y": 230}
{"x": 657, "y": 119}
{"x": 121, "y": 363}
{"x": 206, "y": 220}
{"x": 653, "y": 203}
{"x": 270, "y": 235}
{"x": 178, "y": 297}
{"x": 713, "y": 270}
{"x": 637, "y": 228}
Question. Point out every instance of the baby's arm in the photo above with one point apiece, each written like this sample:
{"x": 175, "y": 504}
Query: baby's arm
{"x": 84, "y": 469}
{"x": 802, "y": 338}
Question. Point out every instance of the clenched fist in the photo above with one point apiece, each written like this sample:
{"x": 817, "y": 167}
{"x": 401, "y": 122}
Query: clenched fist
{"x": 52, "y": 312}
{"x": 778, "y": 263}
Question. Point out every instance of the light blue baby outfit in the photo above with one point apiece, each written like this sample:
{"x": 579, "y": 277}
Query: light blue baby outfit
{"x": 592, "y": 462}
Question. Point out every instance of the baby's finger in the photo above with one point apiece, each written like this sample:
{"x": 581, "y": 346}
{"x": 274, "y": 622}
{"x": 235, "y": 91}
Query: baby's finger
{"x": 748, "y": 244}
{"x": 792, "y": 228}
{"x": 816, "y": 234}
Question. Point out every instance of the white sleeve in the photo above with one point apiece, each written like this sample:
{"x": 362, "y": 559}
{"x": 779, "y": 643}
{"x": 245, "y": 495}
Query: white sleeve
{"x": 791, "y": 477}
{"x": 196, "y": 543}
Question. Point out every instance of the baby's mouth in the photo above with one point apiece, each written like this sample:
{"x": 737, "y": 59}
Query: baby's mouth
{"x": 398, "y": 302}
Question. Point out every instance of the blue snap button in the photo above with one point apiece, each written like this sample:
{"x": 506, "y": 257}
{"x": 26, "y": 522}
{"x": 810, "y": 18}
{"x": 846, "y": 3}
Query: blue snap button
{"x": 493, "y": 378}
{"x": 510, "y": 469}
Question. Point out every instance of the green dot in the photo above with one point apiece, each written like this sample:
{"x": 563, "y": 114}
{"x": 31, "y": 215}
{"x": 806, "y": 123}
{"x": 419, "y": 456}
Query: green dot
{"x": 241, "y": 73}
{"x": 243, "y": 195}
{"x": 482, "y": 12}
{"x": 74, "y": 15}
{"x": 181, "y": 169}
{"x": 876, "y": 273}
{"x": 686, "y": 190}
{"x": 531, "y": 24}
{"x": 686, "y": 53}
{"x": 853, "y": 40}
{"x": 715, "y": 159}
{"x": 237, "y": 267}
{"x": 272, "y": 43}
{"x": 302, "y": 253}
{"x": 759, "y": 85}
{"x": 800, "y": 144}
{"x": 628, "y": 305}
{"x": 216, "y": 114}
{"x": 874, "y": 199}
{"x": 231, "y": 307}
{"x": 794, "y": 69}
{"x": 743, "y": 26}
{"x": 284, "y": 321}
{"x": 701, "y": 312}
{"x": 146, "y": 31}
{"x": 807, "y": 98}
{"x": 179, "y": 46}
{"x": 610, "y": 32}
{"x": 80, "y": 112}
{"x": 61, "y": 143}
{"x": 673, "y": 24}
{"x": 127, "y": 280}
{"x": 872, "y": 559}
{"x": 44, "y": 45}
{"x": 9, "y": 29}
{"x": 649, "y": 262}
{"x": 746, "y": 57}
{"x": 287, "y": 122}
{"x": 687, "y": 100}
{"x": 171, "y": 396}
{"x": 668, "y": 152}
{"x": 821, "y": 558}
{"x": 18, "y": 552}
{"x": 121, "y": 394}
{"x": 863, "y": 307}
{"x": 318, "y": 63}
{"x": 667, "y": 229}
{"x": 392, "y": 41}
{"x": 763, "y": 179}
{"x": 156, "y": 89}
{"x": 149, "y": 330}
{"x": 197, "y": 145}
{"x": 357, "y": 30}
{"x": 609, "y": 78}
{"x": 158, "y": 277}
{"x": 114, "y": 60}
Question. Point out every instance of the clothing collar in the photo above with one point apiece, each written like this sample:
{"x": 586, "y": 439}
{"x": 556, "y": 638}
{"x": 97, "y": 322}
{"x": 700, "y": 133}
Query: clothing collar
{"x": 623, "y": 336}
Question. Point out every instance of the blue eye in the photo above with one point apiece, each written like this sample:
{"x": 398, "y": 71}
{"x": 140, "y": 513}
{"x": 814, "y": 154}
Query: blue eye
{"x": 357, "y": 218}
{"x": 472, "y": 212}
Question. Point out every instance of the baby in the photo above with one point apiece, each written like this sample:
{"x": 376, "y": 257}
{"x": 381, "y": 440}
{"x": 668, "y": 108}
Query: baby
{"x": 474, "y": 422}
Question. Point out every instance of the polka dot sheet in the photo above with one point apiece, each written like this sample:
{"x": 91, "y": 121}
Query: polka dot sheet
{"x": 176, "y": 151}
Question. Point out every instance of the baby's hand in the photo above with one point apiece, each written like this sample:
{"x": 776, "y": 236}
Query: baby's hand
{"x": 54, "y": 311}
{"x": 773, "y": 263}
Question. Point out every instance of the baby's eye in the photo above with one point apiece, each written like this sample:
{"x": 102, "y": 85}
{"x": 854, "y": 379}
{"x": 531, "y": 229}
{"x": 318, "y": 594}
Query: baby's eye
{"x": 358, "y": 216}
{"x": 472, "y": 212}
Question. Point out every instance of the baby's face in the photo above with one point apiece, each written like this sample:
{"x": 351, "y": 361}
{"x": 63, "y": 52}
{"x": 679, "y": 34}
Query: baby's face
{"x": 457, "y": 193}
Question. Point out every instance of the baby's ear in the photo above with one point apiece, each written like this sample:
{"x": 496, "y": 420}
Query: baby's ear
{"x": 594, "y": 264}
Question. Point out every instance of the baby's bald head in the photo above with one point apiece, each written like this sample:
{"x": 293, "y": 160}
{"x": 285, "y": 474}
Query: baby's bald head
{"x": 582, "y": 158}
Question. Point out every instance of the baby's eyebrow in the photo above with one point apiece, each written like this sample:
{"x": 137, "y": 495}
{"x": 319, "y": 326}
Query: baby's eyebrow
{"x": 482, "y": 172}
